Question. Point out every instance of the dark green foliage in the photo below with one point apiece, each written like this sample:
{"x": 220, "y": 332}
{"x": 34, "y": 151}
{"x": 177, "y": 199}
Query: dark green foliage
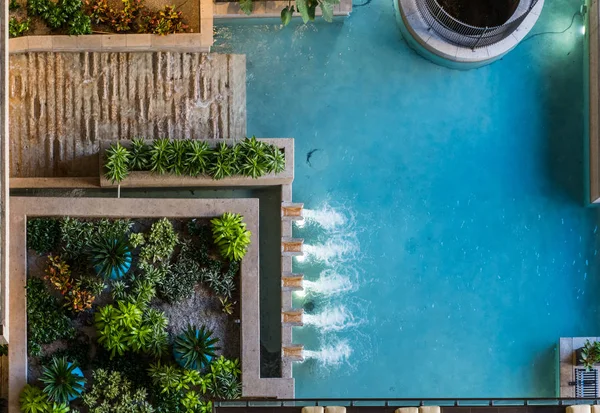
{"x": 46, "y": 319}
{"x": 247, "y": 6}
{"x": 33, "y": 400}
{"x": 195, "y": 347}
{"x": 17, "y": 28}
{"x": 231, "y": 236}
{"x": 160, "y": 152}
{"x": 250, "y": 157}
{"x": 223, "y": 380}
{"x": 177, "y": 154}
{"x": 197, "y": 158}
{"x": 222, "y": 283}
{"x": 13, "y": 5}
{"x": 77, "y": 352}
{"x": 140, "y": 155}
{"x": 61, "y": 380}
{"x": 43, "y": 234}
{"x": 133, "y": 366}
{"x": 111, "y": 392}
{"x": 76, "y": 235}
{"x": 110, "y": 257}
{"x": 117, "y": 163}
{"x": 3, "y": 349}
{"x": 61, "y": 14}
{"x": 182, "y": 277}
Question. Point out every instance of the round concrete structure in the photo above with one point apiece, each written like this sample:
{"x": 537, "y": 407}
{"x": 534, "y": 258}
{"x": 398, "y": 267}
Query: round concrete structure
{"x": 434, "y": 47}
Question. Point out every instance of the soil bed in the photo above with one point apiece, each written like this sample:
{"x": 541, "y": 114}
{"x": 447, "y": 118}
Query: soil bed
{"x": 480, "y": 13}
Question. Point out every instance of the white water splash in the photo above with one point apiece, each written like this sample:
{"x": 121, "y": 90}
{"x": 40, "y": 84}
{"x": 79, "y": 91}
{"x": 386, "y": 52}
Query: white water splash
{"x": 326, "y": 216}
{"x": 335, "y": 251}
{"x": 331, "y": 319}
{"x": 329, "y": 283}
{"x": 330, "y": 355}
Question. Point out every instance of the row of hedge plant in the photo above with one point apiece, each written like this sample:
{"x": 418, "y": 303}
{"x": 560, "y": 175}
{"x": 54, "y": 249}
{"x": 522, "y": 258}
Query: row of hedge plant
{"x": 250, "y": 157}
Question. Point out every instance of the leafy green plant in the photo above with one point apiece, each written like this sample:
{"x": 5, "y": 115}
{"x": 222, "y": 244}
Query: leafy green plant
{"x": 274, "y": 160}
{"x": 137, "y": 240}
{"x": 194, "y": 348}
{"x": 161, "y": 242}
{"x": 13, "y": 5}
{"x": 223, "y": 380}
{"x": 3, "y": 350}
{"x": 117, "y": 163}
{"x": 307, "y": 10}
{"x": 140, "y": 155}
{"x": 64, "y": 381}
{"x": 222, "y": 162}
{"x": 181, "y": 278}
{"x": 111, "y": 392}
{"x": 222, "y": 283}
{"x": 61, "y": 14}
{"x": 177, "y": 155}
{"x": 43, "y": 234}
{"x": 79, "y": 24}
{"x": 110, "y": 257}
{"x": 197, "y": 157}
{"x": 59, "y": 275}
{"x": 247, "y": 6}
{"x": 160, "y": 156}
{"x": 590, "y": 354}
{"x": 179, "y": 389}
{"x": 226, "y": 305}
{"x": 17, "y": 28}
{"x": 231, "y": 236}
{"x": 46, "y": 320}
{"x": 33, "y": 400}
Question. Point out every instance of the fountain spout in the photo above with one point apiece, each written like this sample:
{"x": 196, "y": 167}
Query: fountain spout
{"x": 291, "y": 211}
{"x": 293, "y": 352}
{"x": 293, "y": 317}
{"x": 292, "y": 246}
{"x": 292, "y": 282}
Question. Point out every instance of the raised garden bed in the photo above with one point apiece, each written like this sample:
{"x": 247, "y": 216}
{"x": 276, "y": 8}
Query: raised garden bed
{"x": 137, "y": 179}
{"x": 202, "y": 307}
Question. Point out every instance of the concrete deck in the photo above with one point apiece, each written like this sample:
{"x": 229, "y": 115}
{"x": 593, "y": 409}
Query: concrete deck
{"x": 24, "y": 207}
{"x": 63, "y": 104}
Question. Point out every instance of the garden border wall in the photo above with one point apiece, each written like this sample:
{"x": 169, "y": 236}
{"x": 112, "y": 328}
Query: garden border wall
{"x": 24, "y": 207}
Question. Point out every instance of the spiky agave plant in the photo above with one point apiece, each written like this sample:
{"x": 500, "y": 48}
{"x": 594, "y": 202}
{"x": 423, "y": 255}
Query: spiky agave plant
{"x": 195, "y": 348}
{"x": 197, "y": 156}
{"x": 274, "y": 159}
{"x": 140, "y": 155}
{"x": 33, "y": 400}
{"x": 160, "y": 156}
{"x": 177, "y": 155}
{"x": 64, "y": 381}
{"x": 110, "y": 257}
{"x": 231, "y": 236}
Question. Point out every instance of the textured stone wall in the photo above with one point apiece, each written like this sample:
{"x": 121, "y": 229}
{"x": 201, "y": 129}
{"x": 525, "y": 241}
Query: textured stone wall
{"x": 63, "y": 104}
{"x": 4, "y": 170}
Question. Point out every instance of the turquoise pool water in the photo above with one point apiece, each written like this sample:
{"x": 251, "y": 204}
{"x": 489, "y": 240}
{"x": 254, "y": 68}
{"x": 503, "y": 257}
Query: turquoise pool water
{"x": 448, "y": 246}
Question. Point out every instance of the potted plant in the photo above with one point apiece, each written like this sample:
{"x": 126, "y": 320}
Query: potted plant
{"x": 64, "y": 380}
{"x": 111, "y": 257}
{"x": 195, "y": 348}
{"x": 588, "y": 355}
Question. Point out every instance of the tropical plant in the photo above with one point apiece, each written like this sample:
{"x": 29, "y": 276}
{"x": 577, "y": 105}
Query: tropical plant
{"x": 181, "y": 278}
{"x": 274, "y": 159}
{"x": 17, "y": 27}
{"x": 42, "y": 234}
{"x": 75, "y": 237}
{"x": 61, "y": 14}
{"x": 197, "y": 158}
{"x": 162, "y": 22}
{"x": 46, "y": 320}
{"x": 177, "y": 154}
{"x": 59, "y": 275}
{"x": 195, "y": 348}
{"x": 136, "y": 240}
{"x": 111, "y": 392}
{"x": 117, "y": 163}
{"x": 223, "y": 380}
{"x": 178, "y": 389}
{"x": 33, "y": 400}
{"x": 64, "y": 381}
{"x": 231, "y": 236}
{"x": 222, "y": 283}
{"x": 590, "y": 354}
{"x": 307, "y": 10}
{"x": 222, "y": 162}
{"x": 161, "y": 242}
{"x": 110, "y": 257}
{"x": 226, "y": 305}
{"x": 160, "y": 153}
{"x": 13, "y": 5}
{"x": 3, "y": 350}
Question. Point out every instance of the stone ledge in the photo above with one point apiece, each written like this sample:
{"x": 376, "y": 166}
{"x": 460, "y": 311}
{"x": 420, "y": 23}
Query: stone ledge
{"x": 180, "y": 42}
{"x": 231, "y": 9}
{"x": 151, "y": 180}
{"x": 430, "y": 41}
{"x": 24, "y": 207}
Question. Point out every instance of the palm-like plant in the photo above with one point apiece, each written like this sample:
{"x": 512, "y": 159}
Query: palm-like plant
{"x": 110, "y": 257}
{"x": 195, "y": 347}
{"x": 140, "y": 155}
{"x": 64, "y": 381}
{"x": 177, "y": 155}
{"x": 196, "y": 160}
{"x": 160, "y": 153}
{"x": 117, "y": 163}
{"x": 33, "y": 400}
{"x": 231, "y": 236}
{"x": 223, "y": 159}
{"x": 274, "y": 159}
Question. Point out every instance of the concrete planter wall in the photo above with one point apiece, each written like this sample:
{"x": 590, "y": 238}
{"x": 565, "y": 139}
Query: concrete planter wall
{"x": 152, "y": 180}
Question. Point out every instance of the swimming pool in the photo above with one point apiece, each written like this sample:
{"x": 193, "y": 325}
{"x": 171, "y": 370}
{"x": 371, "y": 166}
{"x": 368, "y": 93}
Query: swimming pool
{"x": 445, "y": 207}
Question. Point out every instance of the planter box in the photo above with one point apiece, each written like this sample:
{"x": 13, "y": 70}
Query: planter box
{"x": 231, "y": 9}
{"x": 152, "y": 180}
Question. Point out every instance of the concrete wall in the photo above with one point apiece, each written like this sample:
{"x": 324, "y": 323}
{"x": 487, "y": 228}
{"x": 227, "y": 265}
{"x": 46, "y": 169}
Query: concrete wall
{"x": 63, "y": 104}
{"x": 4, "y": 162}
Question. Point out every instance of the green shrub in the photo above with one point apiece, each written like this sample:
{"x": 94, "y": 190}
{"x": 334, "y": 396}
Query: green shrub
{"x": 126, "y": 327}
{"x": 75, "y": 237}
{"x": 223, "y": 380}
{"x": 161, "y": 243}
{"x": 181, "y": 278}
{"x": 63, "y": 382}
{"x": 137, "y": 240}
{"x": 194, "y": 348}
{"x": 17, "y": 28}
{"x": 590, "y": 354}
{"x": 117, "y": 163}
{"x": 250, "y": 157}
{"x": 222, "y": 283}
{"x": 111, "y": 392}
{"x": 61, "y": 14}
{"x": 33, "y": 400}
{"x": 178, "y": 388}
{"x": 231, "y": 236}
{"x": 43, "y": 235}
{"x": 110, "y": 257}
{"x": 78, "y": 352}
{"x": 13, "y": 5}
{"x": 46, "y": 320}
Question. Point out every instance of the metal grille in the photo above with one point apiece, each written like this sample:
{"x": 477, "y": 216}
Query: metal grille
{"x": 586, "y": 383}
{"x": 466, "y": 35}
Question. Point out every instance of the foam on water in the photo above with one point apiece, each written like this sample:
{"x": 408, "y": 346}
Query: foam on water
{"x": 336, "y": 250}
{"x": 330, "y": 355}
{"x": 330, "y": 282}
{"x": 332, "y": 319}
{"x": 325, "y": 216}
